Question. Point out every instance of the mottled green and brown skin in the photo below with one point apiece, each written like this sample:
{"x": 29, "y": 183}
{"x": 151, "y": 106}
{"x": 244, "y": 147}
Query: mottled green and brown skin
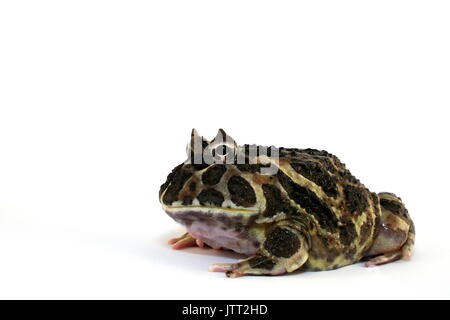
{"x": 312, "y": 214}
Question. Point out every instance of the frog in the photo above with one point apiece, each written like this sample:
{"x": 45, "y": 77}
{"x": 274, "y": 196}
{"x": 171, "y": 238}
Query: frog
{"x": 283, "y": 209}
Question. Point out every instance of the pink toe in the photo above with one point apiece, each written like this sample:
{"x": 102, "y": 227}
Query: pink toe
{"x": 220, "y": 267}
{"x": 183, "y": 244}
{"x": 200, "y": 243}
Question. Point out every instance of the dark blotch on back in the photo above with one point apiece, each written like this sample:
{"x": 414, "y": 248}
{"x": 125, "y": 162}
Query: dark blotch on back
{"x": 347, "y": 232}
{"x": 200, "y": 166}
{"x": 187, "y": 200}
{"x": 346, "y": 175}
{"x": 308, "y": 200}
{"x": 395, "y": 207}
{"x": 315, "y": 152}
{"x": 177, "y": 178}
{"x": 213, "y": 174}
{"x": 169, "y": 179}
{"x": 210, "y": 197}
{"x": 282, "y": 242}
{"x": 275, "y": 203}
{"x": 356, "y": 199}
{"x": 247, "y": 167}
{"x": 241, "y": 192}
{"x": 317, "y": 174}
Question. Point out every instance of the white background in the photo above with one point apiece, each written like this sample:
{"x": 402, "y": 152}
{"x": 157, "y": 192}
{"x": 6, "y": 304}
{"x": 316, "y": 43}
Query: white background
{"x": 97, "y": 100}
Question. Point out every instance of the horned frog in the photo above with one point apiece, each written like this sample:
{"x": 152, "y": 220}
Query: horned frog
{"x": 285, "y": 209}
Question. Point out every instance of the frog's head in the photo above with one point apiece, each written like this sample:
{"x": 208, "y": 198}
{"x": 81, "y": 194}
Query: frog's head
{"x": 220, "y": 181}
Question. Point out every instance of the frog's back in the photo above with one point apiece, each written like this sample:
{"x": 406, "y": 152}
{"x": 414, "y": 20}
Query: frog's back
{"x": 342, "y": 213}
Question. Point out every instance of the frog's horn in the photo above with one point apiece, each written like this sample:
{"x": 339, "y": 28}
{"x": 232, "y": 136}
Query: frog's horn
{"x": 223, "y": 137}
{"x": 194, "y": 148}
{"x": 196, "y": 138}
{"x": 195, "y": 135}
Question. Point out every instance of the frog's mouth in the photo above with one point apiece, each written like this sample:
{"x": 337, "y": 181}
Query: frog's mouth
{"x": 227, "y": 217}
{"x": 209, "y": 209}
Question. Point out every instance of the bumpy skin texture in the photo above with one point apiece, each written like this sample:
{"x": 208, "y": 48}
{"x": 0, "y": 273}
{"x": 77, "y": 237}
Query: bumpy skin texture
{"x": 312, "y": 214}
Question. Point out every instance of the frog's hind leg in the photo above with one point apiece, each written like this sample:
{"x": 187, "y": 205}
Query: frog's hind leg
{"x": 395, "y": 239}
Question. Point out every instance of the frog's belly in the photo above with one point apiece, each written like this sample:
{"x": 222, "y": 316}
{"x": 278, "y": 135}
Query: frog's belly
{"x": 217, "y": 237}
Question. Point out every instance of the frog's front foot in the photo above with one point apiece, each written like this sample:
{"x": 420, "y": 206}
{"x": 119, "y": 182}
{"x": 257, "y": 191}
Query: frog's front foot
{"x": 185, "y": 241}
{"x": 284, "y": 250}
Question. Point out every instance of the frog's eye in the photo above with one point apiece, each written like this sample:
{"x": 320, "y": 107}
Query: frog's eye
{"x": 223, "y": 154}
{"x": 222, "y": 148}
